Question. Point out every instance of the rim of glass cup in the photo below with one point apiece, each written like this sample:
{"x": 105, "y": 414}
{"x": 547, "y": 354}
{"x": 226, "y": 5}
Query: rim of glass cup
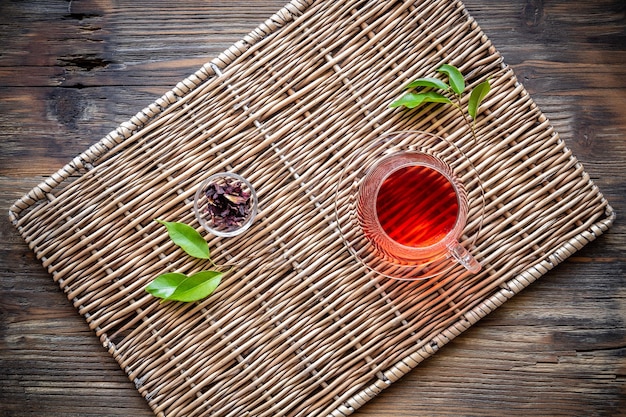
{"x": 436, "y": 250}
{"x": 345, "y": 204}
{"x": 206, "y": 224}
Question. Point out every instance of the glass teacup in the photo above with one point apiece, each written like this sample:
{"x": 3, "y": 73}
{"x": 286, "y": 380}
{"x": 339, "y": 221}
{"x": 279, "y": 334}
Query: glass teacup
{"x": 413, "y": 209}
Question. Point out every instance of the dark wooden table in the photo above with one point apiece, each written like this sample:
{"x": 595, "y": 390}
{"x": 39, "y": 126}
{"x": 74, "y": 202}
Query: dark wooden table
{"x": 70, "y": 72}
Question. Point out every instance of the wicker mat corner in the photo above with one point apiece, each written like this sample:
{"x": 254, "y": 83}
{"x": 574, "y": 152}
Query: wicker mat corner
{"x": 301, "y": 328}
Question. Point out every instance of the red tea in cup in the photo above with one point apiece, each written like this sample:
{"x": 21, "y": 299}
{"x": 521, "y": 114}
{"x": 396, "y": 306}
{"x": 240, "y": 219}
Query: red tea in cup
{"x": 413, "y": 209}
{"x": 417, "y": 206}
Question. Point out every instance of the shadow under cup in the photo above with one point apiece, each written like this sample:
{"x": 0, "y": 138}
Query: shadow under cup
{"x": 413, "y": 209}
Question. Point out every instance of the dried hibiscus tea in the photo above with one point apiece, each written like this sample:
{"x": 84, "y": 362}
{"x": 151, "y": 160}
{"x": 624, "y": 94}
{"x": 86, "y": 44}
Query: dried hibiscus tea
{"x": 225, "y": 204}
{"x": 228, "y": 203}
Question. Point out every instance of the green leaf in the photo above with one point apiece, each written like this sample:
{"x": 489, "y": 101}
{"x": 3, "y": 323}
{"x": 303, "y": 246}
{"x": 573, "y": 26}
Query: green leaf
{"x": 476, "y": 97}
{"x": 187, "y": 238}
{"x": 412, "y": 100}
{"x": 456, "y": 78}
{"x": 196, "y": 287}
{"x": 428, "y": 82}
{"x": 164, "y": 285}
{"x": 175, "y": 286}
{"x": 409, "y": 100}
{"x": 434, "y": 97}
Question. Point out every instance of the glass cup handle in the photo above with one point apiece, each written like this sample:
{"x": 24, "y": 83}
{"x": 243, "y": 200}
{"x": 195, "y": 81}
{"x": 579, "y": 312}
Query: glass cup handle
{"x": 463, "y": 257}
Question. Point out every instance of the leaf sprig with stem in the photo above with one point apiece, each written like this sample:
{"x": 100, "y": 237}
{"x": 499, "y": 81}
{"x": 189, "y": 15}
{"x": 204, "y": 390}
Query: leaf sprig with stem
{"x": 176, "y": 286}
{"x": 442, "y": 92}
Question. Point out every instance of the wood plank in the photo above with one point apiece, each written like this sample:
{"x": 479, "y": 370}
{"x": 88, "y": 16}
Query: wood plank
{"x": 72, "y": 71}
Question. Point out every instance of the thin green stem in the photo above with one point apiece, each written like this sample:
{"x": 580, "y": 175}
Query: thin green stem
{"x": 468, "y": 123}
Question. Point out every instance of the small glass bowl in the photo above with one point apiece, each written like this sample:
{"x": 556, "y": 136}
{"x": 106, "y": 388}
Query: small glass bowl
{"x": 216, "y": 224}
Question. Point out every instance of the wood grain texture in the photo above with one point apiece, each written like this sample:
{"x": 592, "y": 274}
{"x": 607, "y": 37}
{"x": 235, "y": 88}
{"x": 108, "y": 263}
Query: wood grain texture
{"x": 70, "y": 72}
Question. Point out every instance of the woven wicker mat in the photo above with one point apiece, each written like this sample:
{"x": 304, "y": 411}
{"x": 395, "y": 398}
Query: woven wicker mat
{"x": 301, "y": 327}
